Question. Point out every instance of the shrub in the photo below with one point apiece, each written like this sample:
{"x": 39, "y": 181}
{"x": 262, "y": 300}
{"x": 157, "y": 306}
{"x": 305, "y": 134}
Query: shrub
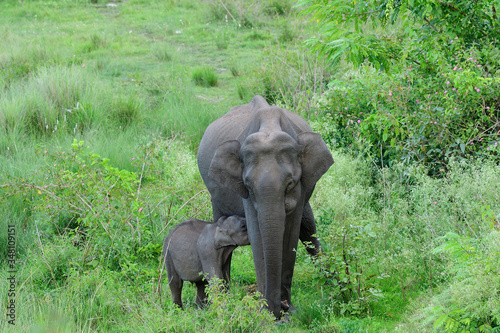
{"x": 440, "y": 100}
{"x": 412, "y": 118}
{"x": 379, "y": 229}
{"x": 205, "y": 76}
{"x": 472, "y": 300}
{"x": 278, "y": 7}
{"x": 104, "y": 209}
{"x": 348, "y": 268}
{"x": 237, "y": 315}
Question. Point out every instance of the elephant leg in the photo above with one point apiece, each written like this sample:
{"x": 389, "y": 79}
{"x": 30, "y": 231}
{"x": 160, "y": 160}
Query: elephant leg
{"x": 217, "y": 213}
{"x": 201, "y": 295}
{"x": 226, "y": 271}
{"x": 308, "y": 232}
{"x": 175, "y": 283}
{"x": 290, "y": 242}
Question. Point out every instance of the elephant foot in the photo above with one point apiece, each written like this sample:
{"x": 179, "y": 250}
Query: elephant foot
{"x": 288, "y": 307}
{"x": 285, "y": 319}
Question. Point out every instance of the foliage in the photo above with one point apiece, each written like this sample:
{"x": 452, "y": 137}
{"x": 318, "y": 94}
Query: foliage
{"x": 414, "y": 119}
{"x": 439, "y": 101}
{"x": 472, "y": 300}
{"x": 346, "y": 266}
{"x": 383, "y": 228}
{"x": 245, "y": 315}
{"x": 105, "y": 210}
{"x": 389, "y": 32}
{"x": 99, "y": 206}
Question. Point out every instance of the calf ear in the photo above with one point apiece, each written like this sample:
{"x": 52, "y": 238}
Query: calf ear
{"x": 316, "y": 159}
{"x": 226, "y": 168}
{"x": 222, "y": 238}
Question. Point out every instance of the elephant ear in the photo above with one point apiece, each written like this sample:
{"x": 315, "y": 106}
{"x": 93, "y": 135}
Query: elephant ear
{"x": 222, "y": 237}
{"x": 226, "y": 168}
{"x": 316, "y": 158}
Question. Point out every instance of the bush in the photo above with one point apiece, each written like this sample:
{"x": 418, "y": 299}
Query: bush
{"x": 440, "y": 99}
{"x": 471, "y": 302}
{"x": 105, "y": 211}
{"x": 237, "y": 315}
{"x": 412, "y": 118}
{"x": 379, "y": 229}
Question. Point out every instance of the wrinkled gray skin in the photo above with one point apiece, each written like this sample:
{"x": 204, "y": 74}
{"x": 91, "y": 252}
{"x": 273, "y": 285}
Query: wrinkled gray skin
{"x": 195, "y": 249}
{"x": 263, "y": 162}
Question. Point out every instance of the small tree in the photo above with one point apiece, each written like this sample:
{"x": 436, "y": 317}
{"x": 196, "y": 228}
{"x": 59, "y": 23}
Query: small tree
{"x": 390, "y": 31}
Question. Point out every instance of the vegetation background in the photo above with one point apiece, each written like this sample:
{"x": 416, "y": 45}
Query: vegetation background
{"x": 103, "y": 104}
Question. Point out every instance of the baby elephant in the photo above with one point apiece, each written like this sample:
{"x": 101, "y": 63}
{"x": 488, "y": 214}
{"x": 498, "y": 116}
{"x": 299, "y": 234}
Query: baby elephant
{"x": 196, "y": 248}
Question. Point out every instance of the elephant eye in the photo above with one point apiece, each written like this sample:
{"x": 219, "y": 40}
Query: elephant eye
{"x": 290, "y": 186}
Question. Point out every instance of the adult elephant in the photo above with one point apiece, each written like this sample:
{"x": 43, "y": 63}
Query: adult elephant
{"x": 262, "y": 162}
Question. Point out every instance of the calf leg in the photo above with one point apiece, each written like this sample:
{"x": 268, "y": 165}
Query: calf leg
{"x": 175, "y": 283}
{"x": 201, "y": 295}
{"x": 226, "y": 271}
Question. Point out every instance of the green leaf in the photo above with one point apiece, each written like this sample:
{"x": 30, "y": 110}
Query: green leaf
{"x": 385, "y": 136}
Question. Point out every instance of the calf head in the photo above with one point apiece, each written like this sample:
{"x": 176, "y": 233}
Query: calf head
{"x": 231, "y": 231}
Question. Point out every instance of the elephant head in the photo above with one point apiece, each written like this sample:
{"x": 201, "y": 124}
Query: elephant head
{"x": 273, "y": 167}
{"x": 231, "y": 231}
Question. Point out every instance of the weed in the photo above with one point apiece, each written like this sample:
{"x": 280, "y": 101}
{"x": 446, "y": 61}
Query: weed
{"x": 125, "y": 110}
{"x": 95, "y": 41}
{"x": 162, "y": 54}
{"x": 287, "y": 35}
{"x": 278, "y": 7}
{"x": 204, "y": 76}
{"x": 234, "y": 71}
{"x": 244, "y": 92}
{"x": 291, "y": 78}
{"x": 235, "y": 316}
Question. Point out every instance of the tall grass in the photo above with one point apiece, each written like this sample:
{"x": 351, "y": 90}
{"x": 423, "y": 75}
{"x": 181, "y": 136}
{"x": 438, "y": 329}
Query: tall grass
{"x": 205, "y": 76}
{"x": 391, "y": 227}
{"x": 53, "y": 100}
{"x": 289, "y": 78}
{"x": 184, "y": 112}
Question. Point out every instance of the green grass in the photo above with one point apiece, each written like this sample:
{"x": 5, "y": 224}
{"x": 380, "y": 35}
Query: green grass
{"x": 205, "y": 77}
{"x": 122, "y": 80}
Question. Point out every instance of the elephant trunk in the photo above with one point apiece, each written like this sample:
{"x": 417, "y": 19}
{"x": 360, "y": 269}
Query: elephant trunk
{"x": 272, "y": 228}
